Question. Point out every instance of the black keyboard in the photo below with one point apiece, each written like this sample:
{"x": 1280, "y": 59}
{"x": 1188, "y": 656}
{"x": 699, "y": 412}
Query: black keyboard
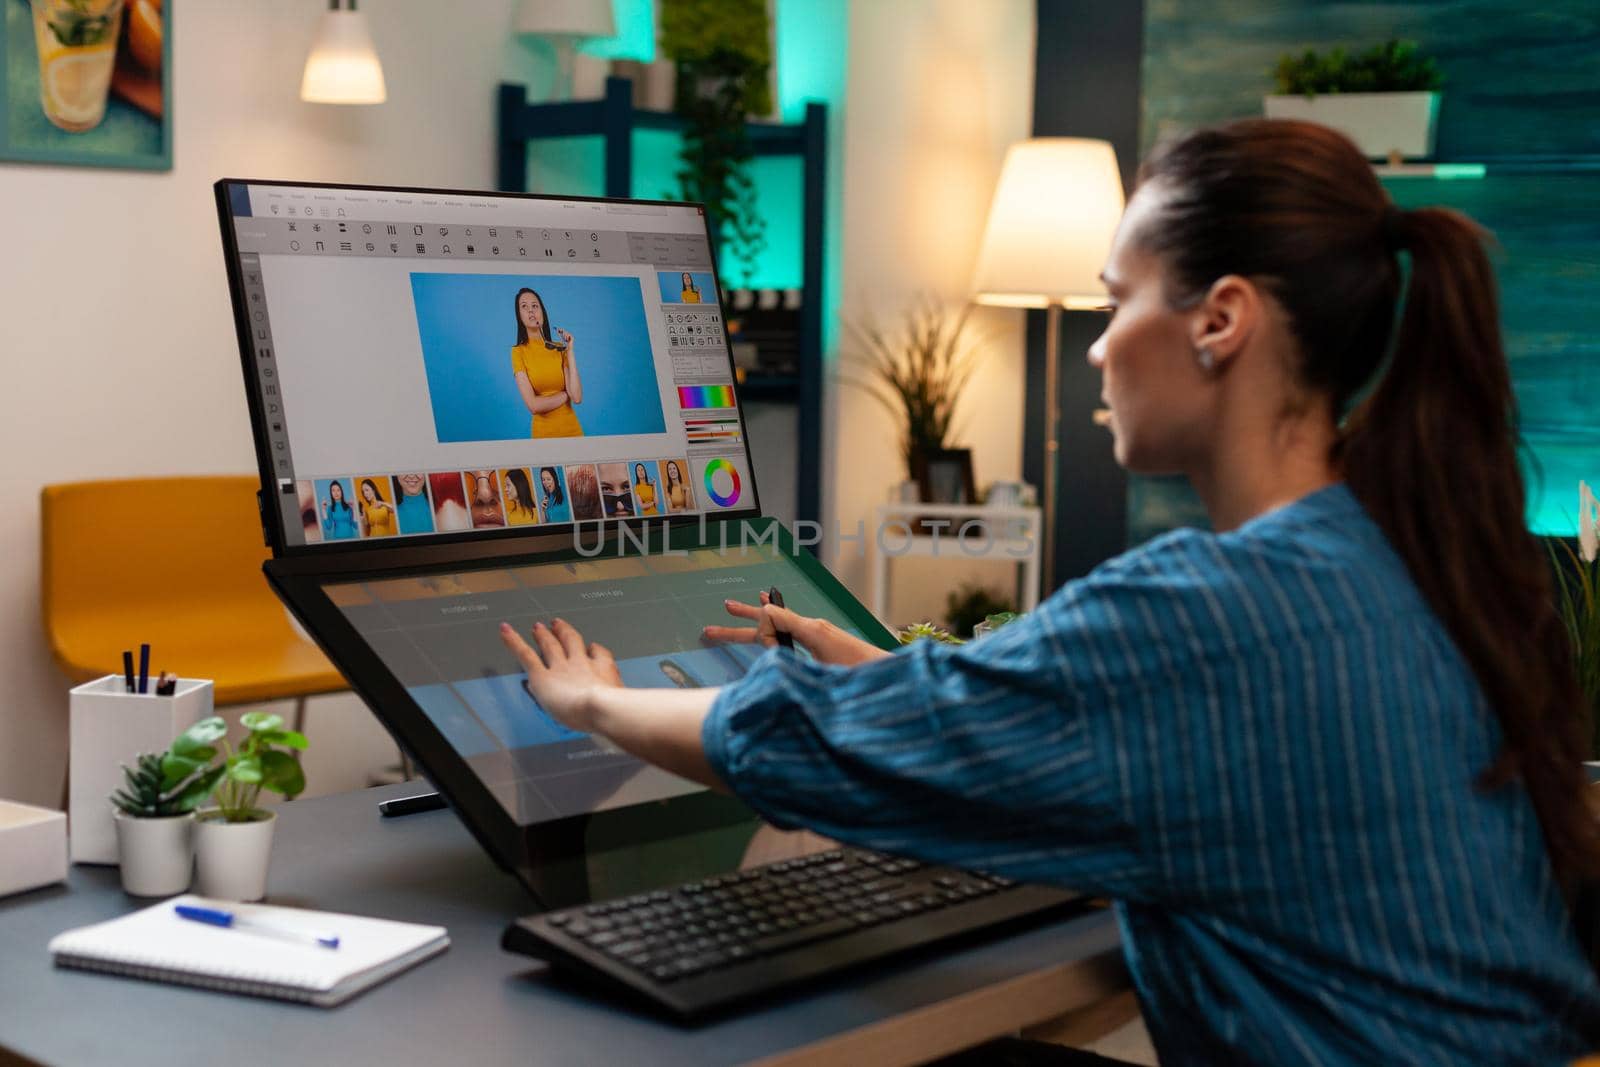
{"x": 703, "y": 946}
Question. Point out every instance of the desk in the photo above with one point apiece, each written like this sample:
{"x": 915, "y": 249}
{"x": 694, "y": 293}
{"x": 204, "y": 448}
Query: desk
{"x": 478, "y": 1004}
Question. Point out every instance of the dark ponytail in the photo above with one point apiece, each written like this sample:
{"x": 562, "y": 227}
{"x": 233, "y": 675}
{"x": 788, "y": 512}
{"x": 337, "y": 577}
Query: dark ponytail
{"x": 1428, "y": 440}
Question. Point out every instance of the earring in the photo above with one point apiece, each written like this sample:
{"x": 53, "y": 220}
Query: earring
{"x": 1208, "y": 360}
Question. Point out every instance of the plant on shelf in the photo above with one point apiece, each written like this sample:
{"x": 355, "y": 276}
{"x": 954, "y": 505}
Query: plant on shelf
{"x": 153, "y": 818}
{"x": 928, "y": 631}
{"x": 264, "y": 760}
{"x": 1578, "y": 597}
{"x": 1391, "y": 67}
{"x": 970, "y": 605}
{"x": 917, "y": 373}
{"x": 723, "y": 53}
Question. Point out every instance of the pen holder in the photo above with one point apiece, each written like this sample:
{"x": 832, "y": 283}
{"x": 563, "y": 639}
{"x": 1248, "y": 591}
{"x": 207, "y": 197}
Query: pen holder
{"x": 110, "y": 727}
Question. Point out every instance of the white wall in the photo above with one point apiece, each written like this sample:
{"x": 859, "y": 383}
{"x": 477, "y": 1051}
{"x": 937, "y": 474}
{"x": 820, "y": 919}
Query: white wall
{"x": 112, "y": 295}
{"x": 937, "y": 90}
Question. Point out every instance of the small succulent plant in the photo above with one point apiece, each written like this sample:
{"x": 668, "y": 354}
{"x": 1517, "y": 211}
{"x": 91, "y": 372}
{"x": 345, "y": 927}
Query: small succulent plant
{"x": 155, "y": 787}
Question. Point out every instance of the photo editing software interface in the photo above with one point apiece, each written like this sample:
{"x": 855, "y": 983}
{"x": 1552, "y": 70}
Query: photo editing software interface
{"x": 435, "y": 363}
{"x": 439, "y": 636}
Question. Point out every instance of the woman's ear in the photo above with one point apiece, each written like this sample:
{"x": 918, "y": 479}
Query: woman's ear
{"x": 1226, "y": 317}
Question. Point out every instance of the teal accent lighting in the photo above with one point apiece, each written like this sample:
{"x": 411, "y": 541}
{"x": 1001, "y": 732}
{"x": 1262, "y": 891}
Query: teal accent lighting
{"x": 636, "y": 33}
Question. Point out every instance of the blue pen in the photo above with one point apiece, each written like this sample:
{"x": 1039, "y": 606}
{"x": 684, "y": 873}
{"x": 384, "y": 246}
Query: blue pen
{"x": 144, "y": 668}
{"x": 246, "y": 924}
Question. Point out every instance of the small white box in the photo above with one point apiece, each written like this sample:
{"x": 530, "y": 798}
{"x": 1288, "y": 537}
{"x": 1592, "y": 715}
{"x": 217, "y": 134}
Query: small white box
{"x": 111, "y": 727}
{"x": 33, "y": 847}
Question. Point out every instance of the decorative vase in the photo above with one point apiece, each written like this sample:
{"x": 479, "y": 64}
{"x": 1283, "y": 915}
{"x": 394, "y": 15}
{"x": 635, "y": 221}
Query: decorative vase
{"x": 1382, "y": 125}
{"x": 156, "y": 855}
{"x": 231, "y": 858}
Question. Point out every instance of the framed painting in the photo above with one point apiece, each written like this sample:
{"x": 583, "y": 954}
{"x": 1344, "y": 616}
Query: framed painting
{"x": 86, "y": 82}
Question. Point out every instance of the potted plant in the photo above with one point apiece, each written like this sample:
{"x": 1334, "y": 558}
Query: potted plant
{"x": 154, "y": 817}
{"x": 1385, "y": 99}
{"x": 233, "y": 841}
{"x": 723, "y": 55}
{"x": 1578, "y": 596}
{"x": 917, "y": 374}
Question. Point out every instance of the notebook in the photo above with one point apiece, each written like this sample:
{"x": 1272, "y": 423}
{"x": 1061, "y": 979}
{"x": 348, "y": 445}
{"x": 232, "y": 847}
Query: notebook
{"x": 155, "y": 944}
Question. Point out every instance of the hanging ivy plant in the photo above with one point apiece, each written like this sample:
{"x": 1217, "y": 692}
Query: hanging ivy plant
{"x": 723, "y": 55}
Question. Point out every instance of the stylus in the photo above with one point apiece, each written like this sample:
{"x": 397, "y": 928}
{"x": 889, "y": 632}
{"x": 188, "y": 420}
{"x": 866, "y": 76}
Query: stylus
{"x": 411, "y": 805}
{"x": 784, "y": 638}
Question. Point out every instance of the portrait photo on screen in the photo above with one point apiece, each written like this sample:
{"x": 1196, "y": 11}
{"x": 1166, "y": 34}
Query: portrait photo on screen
{"x": 306, "y": 494}
{"x": 675, "y": 493}
{"x": 513, "y": 357}
{"x": 374, "y": 508}
{"x": 583, "y": 492}
{"x": 411, "y": 504}
{"x": 449, "y": 502}
{"x": 552, "y": 494}
{"x": 483, "y": 498}
{"x": 615, "y": 493}
{"x": 646, "y": 497}
{"x": 686, "y": 287}
{"x": 516, "y": 492}
{"x": 336, "y": 509}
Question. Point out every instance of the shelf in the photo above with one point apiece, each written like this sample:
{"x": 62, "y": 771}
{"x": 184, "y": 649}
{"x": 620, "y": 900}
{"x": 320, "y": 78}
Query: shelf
{"x": 1491, "y": 167}
{"x": 582, "y": 118}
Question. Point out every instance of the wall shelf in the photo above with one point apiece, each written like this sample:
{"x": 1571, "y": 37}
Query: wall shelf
{"x": 1490, "y": 167}
{"x": 614, "y": 118}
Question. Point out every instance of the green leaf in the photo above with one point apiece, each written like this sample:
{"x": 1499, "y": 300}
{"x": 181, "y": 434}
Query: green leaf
{"x": 174, "y": 769}
{"x": 200, "y": 736}
{"x": 195, "y": 793}
{"x": 281, "y": 773}
{"x": 286, "y": 738}
{"x": 261, "y": 721}
{"x": 245, "y": 770}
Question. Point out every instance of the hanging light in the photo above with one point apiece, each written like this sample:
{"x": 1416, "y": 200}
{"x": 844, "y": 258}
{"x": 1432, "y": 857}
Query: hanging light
{"x": 343, "y": 66}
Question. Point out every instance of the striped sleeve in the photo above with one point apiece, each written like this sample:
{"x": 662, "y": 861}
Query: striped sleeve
{"x": 1006, "y": 754}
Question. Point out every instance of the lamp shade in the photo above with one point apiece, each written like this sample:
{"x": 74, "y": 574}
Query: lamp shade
{"x": 1050, "y": 226}
{"x": 343, "y": 66}
{"x": 566, "y": 18}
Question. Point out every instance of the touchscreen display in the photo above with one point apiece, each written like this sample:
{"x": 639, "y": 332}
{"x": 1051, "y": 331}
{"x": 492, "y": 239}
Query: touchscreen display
{"x": 439, "y": 635}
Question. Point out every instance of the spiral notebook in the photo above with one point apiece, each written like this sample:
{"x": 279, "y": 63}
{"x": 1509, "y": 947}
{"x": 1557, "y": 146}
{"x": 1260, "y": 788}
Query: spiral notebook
{"x": 155, "y": 944}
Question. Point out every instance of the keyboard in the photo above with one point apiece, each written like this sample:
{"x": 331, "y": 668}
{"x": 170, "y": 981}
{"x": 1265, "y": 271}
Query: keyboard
{"x": 704, "y": 946}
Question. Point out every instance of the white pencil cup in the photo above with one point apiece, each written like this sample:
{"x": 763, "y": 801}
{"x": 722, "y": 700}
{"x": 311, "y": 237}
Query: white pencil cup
{"x": 110, "y": 727}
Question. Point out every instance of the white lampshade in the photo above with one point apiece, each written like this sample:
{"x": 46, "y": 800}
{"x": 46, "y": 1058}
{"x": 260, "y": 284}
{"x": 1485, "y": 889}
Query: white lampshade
{"x": 343, "y": 66}
{"x": 1050, "y": 226}
{"x": 566, "y": 18}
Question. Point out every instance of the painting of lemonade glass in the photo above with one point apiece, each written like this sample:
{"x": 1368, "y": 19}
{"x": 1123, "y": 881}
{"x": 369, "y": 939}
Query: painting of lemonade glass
{"x": 87, "y": 82}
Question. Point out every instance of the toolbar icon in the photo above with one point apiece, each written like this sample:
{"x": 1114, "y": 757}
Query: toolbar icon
{"x": 417, "y": 230}
{"x": 294, "y": 246}
{"x": 422, "y": 249}
{"x": 274, "y": 209}
{"x": 471, "y": 251}
{"x": 390, "y": 230}
{"x": 319, "y": 246}
{"x": 366, "y": 227}
{"x": 371, "y": 247}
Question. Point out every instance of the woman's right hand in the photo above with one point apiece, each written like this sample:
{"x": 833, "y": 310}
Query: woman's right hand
{"x": 821, "y": 638}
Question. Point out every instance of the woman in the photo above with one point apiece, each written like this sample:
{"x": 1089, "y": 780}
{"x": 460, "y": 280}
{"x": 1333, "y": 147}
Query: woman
{"x": 518, "y": 497}
{"x": 377, "y": 516}
{"x": 552, "y": 500}
{"x": 1326, "y": 759}
{"x": 679, "y": 497}
{"x": 691, "y": 291}
{"x": 546, "y": 371}
{"x": 338, "y": 520}
{"x": 412, "y": 507}
{"x": 644, "y": 490}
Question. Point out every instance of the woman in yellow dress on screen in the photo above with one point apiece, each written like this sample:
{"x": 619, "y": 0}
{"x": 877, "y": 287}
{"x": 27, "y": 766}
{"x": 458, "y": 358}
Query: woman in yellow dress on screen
{"x": 644, "y": 490}
{"x": 679, "y": 498}
{"x": 518, "y": 498}
{"x": 545, "y": 371}
{"x": 691, "y": 292}
{"x": 377, "y": 514}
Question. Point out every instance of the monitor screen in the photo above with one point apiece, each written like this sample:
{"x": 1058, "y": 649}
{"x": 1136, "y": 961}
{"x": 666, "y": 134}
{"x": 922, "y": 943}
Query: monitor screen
{"x": 430, "y": 364}
{"x": 438, "y": 634}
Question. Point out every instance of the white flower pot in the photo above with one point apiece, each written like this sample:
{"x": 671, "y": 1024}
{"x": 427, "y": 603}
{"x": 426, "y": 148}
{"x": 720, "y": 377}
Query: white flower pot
{"x": 231, "y": 858}
{"x": 156, "y": 855}
{"x": 1381, "y": 124}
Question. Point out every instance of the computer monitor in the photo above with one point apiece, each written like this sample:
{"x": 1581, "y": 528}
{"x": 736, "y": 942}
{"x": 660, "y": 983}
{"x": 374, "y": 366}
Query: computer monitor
{"x": 431, "y": 366}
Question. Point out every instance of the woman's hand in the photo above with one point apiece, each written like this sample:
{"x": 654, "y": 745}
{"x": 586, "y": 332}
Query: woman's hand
{"x": 564, "y": 675}
{"x": 821, "y": 638}
{"x": 566, "y": 339}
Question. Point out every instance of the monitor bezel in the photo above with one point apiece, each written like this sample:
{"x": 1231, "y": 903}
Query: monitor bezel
{"x": 270, "y": 500}
{"x": 547, "y": 857}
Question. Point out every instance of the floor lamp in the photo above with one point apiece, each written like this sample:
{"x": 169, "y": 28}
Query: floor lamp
{"x": 1050, "y": 226}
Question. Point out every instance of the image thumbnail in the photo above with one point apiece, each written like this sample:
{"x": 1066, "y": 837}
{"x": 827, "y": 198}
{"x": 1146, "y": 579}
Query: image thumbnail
{"x": 483, "y": 498}
{"x": 311, "y": 525}
{"x": 645, "y": 497}
{"x": 449, "y": 502}
{"x": 335, "y": 510}
{"x": 686, "y": 287}
{"x": 411, "y": 504}
{"x": 375, "y": 511}
{"x": 516, "y": 492}
{"x": 615, "y": 494}
{"x": 583, "y": 491}
{"x": 552, "y": 494}
{"x": 512, "y": 357}
{"x": 676, "y": 492}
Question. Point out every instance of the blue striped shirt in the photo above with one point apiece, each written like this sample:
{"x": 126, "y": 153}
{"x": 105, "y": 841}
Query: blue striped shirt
{"x": 1263, "y": 745}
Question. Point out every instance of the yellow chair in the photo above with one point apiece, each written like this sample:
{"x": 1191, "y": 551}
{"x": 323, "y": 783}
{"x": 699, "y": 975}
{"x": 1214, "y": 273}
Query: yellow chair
{"x": 175, "y": 562}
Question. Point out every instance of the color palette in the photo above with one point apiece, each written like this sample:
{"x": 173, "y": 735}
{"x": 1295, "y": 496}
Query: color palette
{"x": 705, "y": 396}
{"x": 721, "y": 472}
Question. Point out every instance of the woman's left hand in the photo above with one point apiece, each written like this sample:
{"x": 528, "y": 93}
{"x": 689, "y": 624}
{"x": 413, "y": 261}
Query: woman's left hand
{"x": 566, "y": 338}
{"x": 564, "y": 674}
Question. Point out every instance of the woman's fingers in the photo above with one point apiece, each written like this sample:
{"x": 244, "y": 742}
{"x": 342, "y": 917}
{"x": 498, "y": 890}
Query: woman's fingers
{"x": 732, "y": 635}
{"x": 519, "y": 648}
{"x": 547, "y": 643}
{"x": 600, "y": 653}
{"x": 740, "y": 610}
{"x": 571, "y": 640}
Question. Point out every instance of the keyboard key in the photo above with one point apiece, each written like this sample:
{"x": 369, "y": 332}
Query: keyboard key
{"x": 779, "y": 942}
